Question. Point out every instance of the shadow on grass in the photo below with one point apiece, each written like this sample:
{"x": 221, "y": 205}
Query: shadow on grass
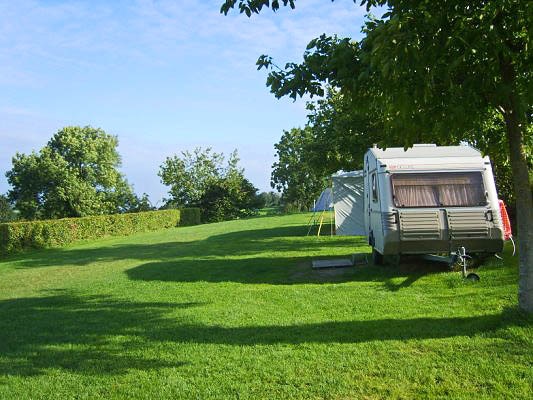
{"x": 105, "y": 336}
{"x": 271, "y": 256}
{"x": 336, "y": 331}
{"x": 249, "y": 256}
{"x": 77, "y": 334}
{"x": 413, "y": 268}
{"x": 246, "y": 242}
{"x": 273, "y": 270}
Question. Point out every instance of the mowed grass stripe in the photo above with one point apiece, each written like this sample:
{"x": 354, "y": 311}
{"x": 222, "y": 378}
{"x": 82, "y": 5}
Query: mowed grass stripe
{"x": 233, "y": 310}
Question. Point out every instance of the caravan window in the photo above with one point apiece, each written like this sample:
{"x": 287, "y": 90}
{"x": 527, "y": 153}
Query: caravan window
{"x": 438, "y": 189}
{"x": 374, "y": 188}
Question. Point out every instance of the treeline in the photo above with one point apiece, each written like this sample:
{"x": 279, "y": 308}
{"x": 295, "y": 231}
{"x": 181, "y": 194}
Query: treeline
{"x": 77, "y": 175}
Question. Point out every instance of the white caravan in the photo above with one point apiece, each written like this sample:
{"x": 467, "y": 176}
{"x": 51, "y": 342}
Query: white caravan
{"x": 430, "y": 200}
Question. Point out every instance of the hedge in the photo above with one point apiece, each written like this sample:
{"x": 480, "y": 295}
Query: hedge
{"x": 18, "y": 236}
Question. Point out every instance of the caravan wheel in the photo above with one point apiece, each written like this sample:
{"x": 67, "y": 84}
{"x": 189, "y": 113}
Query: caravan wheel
{"x": 377, "y": 257}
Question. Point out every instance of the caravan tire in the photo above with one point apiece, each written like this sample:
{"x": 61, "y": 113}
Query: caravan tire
{"x": 377, "y": 257}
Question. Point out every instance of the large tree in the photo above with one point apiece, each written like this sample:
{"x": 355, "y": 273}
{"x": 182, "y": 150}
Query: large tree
{"x": 429, "y": 70}
{"x": 341, "y": 133}
{"x": 75, "y": 174}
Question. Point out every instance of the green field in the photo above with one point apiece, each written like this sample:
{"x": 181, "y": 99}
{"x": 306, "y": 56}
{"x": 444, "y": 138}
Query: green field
{"x": 233, "y": 310}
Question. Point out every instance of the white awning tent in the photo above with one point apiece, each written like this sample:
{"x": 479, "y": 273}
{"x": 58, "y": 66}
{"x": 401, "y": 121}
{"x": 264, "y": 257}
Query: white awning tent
{"x": 348, "y": 202}
{"x": 324, "y": 201}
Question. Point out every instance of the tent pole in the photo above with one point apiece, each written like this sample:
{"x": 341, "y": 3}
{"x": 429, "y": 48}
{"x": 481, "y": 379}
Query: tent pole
{"x": 331, "y": 222}
{"x": 321, "y": 221}
{"x": 311, "y": 223}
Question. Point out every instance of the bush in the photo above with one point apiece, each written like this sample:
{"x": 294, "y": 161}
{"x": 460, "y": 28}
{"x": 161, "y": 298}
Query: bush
{"x": 18, "y": 236}
{"x": 228, "y": 199}
{"x": 190, "y": 216}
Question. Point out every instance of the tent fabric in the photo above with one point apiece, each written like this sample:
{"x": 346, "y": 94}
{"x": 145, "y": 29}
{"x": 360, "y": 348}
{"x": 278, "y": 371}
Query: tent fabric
{"x": 348, "y": 202}
{"x": 324, "y": 201}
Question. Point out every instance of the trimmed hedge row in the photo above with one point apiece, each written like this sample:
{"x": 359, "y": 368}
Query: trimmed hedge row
{"x": 18, "y": 236}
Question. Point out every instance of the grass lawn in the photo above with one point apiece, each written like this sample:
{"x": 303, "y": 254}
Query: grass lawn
{"x": 233, "y": 310}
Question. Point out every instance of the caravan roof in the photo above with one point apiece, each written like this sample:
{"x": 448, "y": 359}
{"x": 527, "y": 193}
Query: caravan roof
{"x": 430, "y": 157}
{"x": 425, "y": 151}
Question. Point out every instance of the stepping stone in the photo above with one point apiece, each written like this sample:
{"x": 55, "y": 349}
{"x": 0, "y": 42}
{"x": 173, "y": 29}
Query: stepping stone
{"x": 333, "y": 263}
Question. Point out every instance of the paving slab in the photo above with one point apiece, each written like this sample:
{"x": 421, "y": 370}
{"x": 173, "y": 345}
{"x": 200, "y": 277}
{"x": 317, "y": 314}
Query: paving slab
{"x": 333, "y": 263}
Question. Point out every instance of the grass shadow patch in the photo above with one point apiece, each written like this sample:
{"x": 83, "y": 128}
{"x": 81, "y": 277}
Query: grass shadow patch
{"x": 245, "y": 242}
{"x": 100, "y": 335}
{"x": 79, "y": 334}
{"x": 341, "y": 331}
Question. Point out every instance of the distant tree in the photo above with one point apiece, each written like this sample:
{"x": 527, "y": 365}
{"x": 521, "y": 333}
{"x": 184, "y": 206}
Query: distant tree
{"x": 190, "y": 175}
{"x": 269, "y": 199}
{"x": 293, "y": 173}
{"x": 247, "y": 198}
{"x": 75, "y": 174}
{"x": 203, "y": 179}
{"x": 7, "y": 214}
{"x": 141, "y": 204}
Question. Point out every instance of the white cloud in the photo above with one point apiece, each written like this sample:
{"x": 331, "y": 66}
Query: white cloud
{"x": 43, "y": 42}
{"x": 154, "y": 31}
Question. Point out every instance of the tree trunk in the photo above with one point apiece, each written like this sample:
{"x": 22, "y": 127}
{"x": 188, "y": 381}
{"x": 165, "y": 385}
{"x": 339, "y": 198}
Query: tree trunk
{"x": 524, "y": 203}
{"x": 522, "y": 189}
{"x": 524, "y": 211}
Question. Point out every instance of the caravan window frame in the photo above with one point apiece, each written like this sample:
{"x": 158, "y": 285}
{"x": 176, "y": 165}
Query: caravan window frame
{"x": 450, "y": 194}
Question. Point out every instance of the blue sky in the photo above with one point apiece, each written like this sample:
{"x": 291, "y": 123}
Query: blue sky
{"x": 163, "y": 75}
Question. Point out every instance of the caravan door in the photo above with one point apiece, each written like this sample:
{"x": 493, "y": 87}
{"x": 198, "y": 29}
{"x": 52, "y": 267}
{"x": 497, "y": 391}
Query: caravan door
{"x": 373, "y": 206}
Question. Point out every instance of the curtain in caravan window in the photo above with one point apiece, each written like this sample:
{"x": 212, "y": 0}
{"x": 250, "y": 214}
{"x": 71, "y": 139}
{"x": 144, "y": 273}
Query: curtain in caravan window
{"x": 438, "y": 189}
{"x": 415, "y": 196}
